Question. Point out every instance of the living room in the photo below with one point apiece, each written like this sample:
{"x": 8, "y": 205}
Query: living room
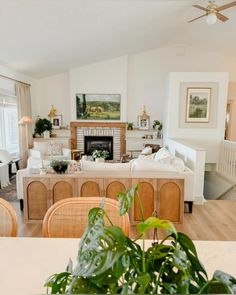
{"x": 151, "y": 58}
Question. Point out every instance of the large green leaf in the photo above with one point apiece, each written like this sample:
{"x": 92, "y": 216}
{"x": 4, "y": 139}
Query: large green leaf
{"x": 225, "y": 279}
{"x": 58, "y": 282}
{"x": 125, "y": 199}
{"x": 154, "y": 222}
{"x": 198, "y": 271}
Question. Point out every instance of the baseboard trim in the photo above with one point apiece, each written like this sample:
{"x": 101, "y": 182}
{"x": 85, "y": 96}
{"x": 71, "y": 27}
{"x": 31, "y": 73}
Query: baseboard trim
{"x": 199, "y": 200}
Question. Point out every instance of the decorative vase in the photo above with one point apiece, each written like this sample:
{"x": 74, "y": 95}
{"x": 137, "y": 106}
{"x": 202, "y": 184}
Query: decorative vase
{"x": 100, "y": 160}
{"x": 46, "y": 134}
{"x": 60, "y": 169}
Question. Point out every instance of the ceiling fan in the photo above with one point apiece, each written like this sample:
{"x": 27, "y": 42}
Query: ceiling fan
{"x": 213, "y": 12}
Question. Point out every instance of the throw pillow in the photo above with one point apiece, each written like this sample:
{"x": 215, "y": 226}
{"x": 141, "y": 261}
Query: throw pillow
{"x": 54, "y": 149}
{"x": 163, "y": 156}
{"x": 74, "y": 167}
{"x": 146, "y": 151}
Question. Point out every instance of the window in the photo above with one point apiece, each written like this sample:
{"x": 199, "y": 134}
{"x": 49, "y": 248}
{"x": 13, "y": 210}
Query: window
{"x": 9, "y": 123}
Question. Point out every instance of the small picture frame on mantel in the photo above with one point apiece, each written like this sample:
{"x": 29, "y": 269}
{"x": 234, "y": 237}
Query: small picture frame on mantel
{"x": 56, "y": 121}
{"x": 143, "y": 123}
{"x": 144, "y": 120}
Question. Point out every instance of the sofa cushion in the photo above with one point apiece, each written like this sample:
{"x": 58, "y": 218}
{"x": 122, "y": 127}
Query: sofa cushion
{"x": 163, "y": 156}
{"x": 147, "y": 157}
{"x": 178, "y": 164}
{"x": 148, "y": 165}
{"x": 41, "y": 146}
{"x": 96, "y": 166}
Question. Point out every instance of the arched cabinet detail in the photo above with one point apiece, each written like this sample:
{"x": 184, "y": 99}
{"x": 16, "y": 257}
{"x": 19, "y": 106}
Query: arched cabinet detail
{"x": 147, "y": 195}
{"x": 170, "y": 200}
{"x": 113, "y": 186}
{"x": 37, "y": 200}
{"x": 62, "y": 189}
{"x": 91, "y": 188}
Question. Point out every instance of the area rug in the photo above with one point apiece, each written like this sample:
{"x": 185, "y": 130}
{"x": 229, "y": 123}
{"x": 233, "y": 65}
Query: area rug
{"x": 9, "y": 193}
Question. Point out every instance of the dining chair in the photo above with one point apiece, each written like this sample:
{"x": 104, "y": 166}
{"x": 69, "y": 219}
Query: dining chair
{"x": 8, "y": 220}
{"x": 69, "y": 217}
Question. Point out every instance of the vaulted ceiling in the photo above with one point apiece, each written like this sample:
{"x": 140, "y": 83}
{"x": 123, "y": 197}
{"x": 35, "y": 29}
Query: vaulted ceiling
{"x": 44, "y": 37}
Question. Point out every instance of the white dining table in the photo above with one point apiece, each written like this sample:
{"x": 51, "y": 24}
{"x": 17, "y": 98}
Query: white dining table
{"x": 26, "y": 263}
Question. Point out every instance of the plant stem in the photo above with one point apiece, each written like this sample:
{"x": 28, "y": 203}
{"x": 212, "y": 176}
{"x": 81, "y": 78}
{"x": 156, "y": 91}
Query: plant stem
{"x": 143, "y": 235}
{"x": 140, "y": 205}
{"x": 143, "y": 255}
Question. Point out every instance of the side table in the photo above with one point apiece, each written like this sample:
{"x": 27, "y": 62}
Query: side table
{"x": 76, "y": 154}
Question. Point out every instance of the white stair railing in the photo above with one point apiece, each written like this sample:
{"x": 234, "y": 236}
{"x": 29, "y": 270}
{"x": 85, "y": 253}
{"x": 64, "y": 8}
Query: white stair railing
{"x": 227, "y": 160}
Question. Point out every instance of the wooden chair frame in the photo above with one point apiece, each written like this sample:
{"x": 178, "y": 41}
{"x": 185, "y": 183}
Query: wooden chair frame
{"x": 94, "y": 201}
{"x": 12, "y": 214}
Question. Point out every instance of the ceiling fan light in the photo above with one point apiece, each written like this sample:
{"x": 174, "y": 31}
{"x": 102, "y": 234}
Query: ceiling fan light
{"x": 211, "y": 18}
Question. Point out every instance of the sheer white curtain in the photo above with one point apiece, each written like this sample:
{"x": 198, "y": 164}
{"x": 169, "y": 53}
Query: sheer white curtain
{"x": 24, "y": 109}
{"x": 8, "y": 122}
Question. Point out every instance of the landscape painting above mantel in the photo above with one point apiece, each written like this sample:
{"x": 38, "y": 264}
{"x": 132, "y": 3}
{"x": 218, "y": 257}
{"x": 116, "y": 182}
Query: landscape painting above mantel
{"x": 98, "y": 106}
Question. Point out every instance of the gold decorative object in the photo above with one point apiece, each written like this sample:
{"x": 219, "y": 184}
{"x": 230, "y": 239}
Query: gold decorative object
{"x": 53, "y": 112}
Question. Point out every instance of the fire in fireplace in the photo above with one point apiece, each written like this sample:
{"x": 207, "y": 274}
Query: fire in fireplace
{"x": 92, "y": 143}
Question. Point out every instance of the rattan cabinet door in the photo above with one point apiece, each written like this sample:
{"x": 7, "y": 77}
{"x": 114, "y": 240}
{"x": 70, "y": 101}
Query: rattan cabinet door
{"x": 170, "y": 199}
{"x": 62, "y": 188}
{"x": 113, "y": 186}
{"x": 91, "y": 187}
{"x": 147, "y": 195}
{"x": 36, "y": 198}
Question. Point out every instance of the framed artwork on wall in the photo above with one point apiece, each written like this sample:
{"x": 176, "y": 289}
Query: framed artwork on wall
{"x": 144, "y": 120}
{"x": 198, "y": 105}
{"x": 98, "y": 106}
{"x": 56, "y": 121}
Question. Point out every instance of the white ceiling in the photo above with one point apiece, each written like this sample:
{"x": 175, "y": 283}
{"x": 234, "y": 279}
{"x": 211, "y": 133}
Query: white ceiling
{"x": 44, "y": 37}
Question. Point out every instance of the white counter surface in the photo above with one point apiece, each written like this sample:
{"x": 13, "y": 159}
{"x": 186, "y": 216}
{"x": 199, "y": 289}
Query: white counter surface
{"x": 26, "y": 263}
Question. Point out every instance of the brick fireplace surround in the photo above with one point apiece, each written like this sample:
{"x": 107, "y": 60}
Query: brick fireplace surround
{"x": 115, "y": 129}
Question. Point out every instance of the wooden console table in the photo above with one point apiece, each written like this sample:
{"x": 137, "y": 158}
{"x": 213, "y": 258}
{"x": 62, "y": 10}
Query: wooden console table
{"x": 163, "y": 195}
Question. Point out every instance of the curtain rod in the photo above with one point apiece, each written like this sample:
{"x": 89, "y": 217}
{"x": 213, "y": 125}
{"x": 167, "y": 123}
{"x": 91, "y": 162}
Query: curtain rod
{"x": 8, "y": 78}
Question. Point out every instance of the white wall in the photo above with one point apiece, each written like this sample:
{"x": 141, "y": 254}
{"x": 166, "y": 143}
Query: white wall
{"x": 104, "y": 77}
{"x": 9, "y": 84}
{"x": 232, "y": 97}
{"x": 148, "y": 75}
{"x": 208, "y": 138}
{"x": 142, "y": 79}
{"x": 53, "y": 90}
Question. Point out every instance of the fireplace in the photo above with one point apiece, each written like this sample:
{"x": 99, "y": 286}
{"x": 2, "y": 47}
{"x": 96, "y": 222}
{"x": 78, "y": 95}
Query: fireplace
{"x": 92, "y": 143}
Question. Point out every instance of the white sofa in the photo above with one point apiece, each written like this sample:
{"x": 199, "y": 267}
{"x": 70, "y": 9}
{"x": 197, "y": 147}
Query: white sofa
{"x": 161, "y": 165}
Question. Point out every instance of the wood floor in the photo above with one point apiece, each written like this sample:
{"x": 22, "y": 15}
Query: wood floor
{"x": 215, "y": 220}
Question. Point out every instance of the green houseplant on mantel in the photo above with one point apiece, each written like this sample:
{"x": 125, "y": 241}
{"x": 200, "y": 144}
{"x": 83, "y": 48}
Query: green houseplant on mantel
{"x": 100, "y": 155}
{"x": 41, "y": 125}
{"x": 108, "y": 262}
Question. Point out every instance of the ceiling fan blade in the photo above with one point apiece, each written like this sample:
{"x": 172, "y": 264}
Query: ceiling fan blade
{"x": 200, "y": 7}
{"x": 192, "y": 20}
{"x": 226, "y": 6}
{"x": 221, "y": 17}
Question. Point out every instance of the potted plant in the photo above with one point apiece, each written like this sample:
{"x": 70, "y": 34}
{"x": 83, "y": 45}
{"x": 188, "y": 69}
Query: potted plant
{"x": 108, "y": 262}
{"x": 42, "y": 125}
{"x": 100, "y": 155}
{"x": 157, "y": 125}
{"x": 130, "y": 125}
{"x": 59, "y": 166}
